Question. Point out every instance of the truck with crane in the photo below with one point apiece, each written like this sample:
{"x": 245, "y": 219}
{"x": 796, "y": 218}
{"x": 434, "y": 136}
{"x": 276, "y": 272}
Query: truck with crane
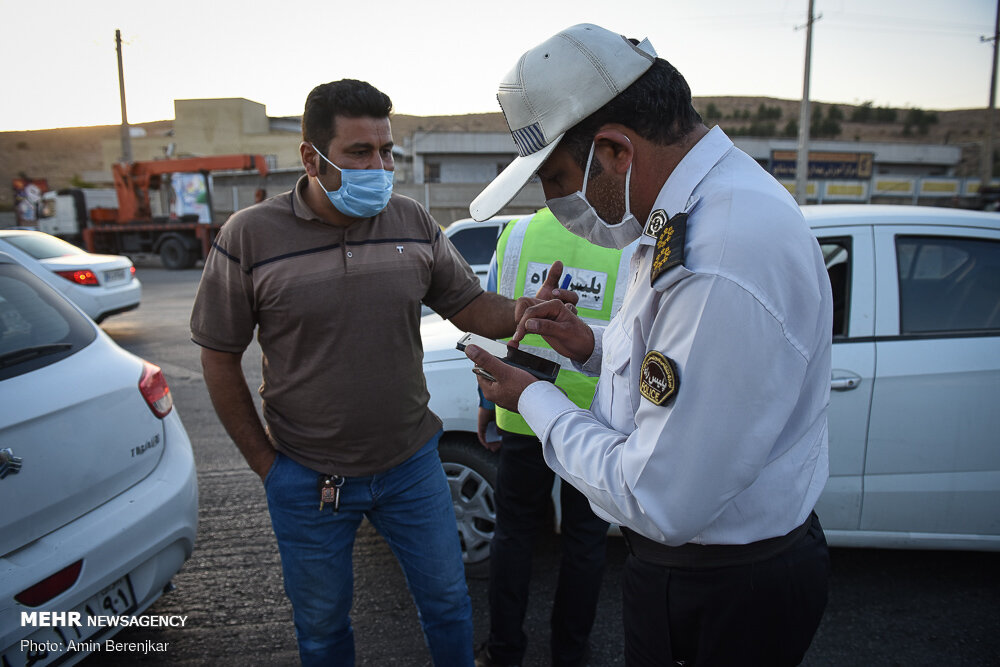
{"x": 80, "y": 216}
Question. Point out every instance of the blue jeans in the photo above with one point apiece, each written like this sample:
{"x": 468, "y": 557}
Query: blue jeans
{"x": 411, "y": 507}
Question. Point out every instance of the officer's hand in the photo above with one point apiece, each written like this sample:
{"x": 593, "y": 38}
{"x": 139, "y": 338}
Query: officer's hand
{"x": 548, "y": 291}
{"x": 559, "y": 326}
{"x": 550, "y": 288}
{"x": 508, "y": 382}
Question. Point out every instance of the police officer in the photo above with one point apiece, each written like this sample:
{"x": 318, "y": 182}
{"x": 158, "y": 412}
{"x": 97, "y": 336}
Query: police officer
{"x": 525, "y": 251}
{"x": 707, "y": 437}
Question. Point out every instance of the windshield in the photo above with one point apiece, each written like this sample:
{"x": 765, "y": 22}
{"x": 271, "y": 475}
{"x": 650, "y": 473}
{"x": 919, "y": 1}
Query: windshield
{"x": 41, "y": 246}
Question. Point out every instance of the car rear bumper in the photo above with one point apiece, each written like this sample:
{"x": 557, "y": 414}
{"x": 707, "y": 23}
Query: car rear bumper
{"x": 117, "y": 311}
{"x": 145, "y": 533}
{"x": 118, "y": 299}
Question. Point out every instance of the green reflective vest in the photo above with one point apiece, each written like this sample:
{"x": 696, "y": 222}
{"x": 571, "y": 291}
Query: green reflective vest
{"x": 525, "y": 251}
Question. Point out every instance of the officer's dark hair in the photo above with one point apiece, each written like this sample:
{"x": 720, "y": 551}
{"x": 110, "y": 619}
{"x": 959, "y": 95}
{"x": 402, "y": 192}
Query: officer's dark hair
{"x": 657, "y": 106}
{"x": 348, "y": 97}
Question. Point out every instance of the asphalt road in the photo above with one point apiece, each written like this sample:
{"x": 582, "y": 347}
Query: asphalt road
{"x": 886, "y": 607}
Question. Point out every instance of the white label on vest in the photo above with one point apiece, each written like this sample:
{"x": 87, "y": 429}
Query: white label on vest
{"x": 590, "y": 285}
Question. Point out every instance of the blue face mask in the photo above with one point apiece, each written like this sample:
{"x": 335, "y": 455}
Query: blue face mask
{"x": 362, "y": 192}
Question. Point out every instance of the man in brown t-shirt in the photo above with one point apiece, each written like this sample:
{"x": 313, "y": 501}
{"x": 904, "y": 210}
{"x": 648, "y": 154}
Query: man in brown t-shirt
{"x": 332, "y": 276}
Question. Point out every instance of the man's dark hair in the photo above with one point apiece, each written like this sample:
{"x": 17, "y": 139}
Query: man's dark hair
{"x": 657, "y": 106}
{"x": 348, "y": 97}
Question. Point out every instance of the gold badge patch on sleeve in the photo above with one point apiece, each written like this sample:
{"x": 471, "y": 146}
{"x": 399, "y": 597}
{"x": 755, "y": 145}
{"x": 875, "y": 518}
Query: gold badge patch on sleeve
{"x": 658, "y": 379}
{"x": 669, "y": 235}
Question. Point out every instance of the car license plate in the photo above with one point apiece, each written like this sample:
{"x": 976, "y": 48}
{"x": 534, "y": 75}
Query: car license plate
{"x": 51, "y": 646}
{"x": 114, "y": 276}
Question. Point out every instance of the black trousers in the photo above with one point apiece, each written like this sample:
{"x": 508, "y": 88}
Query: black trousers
{"x": 764, "y": 613}
{"x": 524, "y": 484}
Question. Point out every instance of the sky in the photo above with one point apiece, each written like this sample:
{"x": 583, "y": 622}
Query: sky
{"x": 58, "y": 66}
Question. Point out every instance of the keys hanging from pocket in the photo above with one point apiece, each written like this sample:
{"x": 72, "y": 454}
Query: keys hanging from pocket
{"x": 329, "y": 491}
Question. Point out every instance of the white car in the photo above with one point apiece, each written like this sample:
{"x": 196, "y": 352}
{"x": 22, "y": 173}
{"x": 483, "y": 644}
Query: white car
{"x": 102, "y": 285}
{"x": 914, "y": 422}
{"x": 97, "y": 478}
{"x": 477, "y": 241}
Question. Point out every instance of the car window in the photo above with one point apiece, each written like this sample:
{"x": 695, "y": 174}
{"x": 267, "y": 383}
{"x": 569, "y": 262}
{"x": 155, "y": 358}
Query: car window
{"x": 948, "y": 285}
{"x": 42, "y": 246}
{"x": 476, "y": 244}
{"x": 837, "y": 256}
{"x": 37, "y": 325}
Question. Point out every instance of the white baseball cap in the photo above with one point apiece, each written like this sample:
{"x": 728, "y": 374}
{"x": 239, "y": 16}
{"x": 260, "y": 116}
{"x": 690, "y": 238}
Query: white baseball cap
{"x": 552, "y": 88}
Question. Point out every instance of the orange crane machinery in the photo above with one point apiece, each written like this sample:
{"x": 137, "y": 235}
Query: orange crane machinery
{"x": 132, "y": 228}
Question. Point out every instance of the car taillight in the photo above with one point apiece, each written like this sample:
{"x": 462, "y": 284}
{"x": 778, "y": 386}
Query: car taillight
{"x": 154, "y": 389}
{"x": 80, "y": 277}
{"x": 50, "y": 587}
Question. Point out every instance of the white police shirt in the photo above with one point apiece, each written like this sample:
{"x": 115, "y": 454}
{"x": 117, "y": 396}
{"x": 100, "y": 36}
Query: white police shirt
{"x": 738, "y": 453}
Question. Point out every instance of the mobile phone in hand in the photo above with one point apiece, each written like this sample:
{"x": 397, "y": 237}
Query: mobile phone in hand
{"x": 540, "y": 367}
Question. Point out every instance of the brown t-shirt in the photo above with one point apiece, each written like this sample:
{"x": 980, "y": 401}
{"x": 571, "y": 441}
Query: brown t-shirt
{"x": 337, "y": 312}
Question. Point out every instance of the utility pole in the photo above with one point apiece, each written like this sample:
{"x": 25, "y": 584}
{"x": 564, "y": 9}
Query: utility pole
{"x": 987, "y": 163}
{"x": 126, "y": 134}
{"x": 802, "y": 160}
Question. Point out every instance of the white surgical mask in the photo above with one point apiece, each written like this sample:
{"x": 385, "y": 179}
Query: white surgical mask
{"x": 576, "y": 214}
{"x": 363, "y": 193}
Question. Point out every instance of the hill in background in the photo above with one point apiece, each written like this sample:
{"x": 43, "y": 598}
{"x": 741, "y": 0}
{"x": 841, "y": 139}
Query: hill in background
{"x": 62, "y": 155}
{"x": 741, "y": 113}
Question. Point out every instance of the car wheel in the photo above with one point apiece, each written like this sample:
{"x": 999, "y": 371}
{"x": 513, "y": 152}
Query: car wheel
{"x": 472, "y": 476}
{"x": 175, "y": 255}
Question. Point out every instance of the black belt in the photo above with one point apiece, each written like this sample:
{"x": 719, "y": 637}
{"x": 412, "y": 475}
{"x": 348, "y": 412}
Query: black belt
{"x": 710, "y": 555}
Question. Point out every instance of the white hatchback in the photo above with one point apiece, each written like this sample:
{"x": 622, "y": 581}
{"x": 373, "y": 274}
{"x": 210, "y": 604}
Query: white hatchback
{"x": 97, "y": 478}
{"x": 102, "y": 285}
{"x": 914, "y": 422}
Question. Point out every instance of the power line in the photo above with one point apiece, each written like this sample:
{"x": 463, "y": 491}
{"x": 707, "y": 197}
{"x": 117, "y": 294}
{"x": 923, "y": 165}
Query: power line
{"x": 881, "y": 23}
